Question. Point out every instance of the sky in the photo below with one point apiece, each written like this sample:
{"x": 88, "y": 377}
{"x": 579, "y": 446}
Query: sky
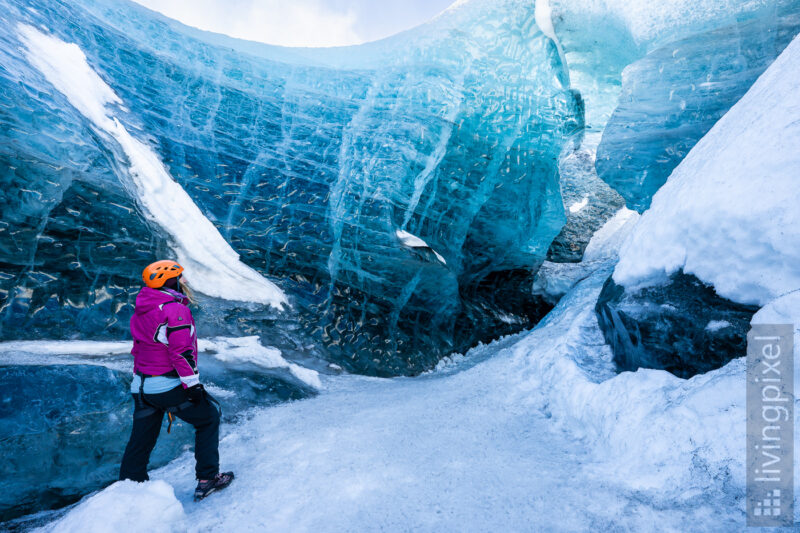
{"x": 301, "y": 22}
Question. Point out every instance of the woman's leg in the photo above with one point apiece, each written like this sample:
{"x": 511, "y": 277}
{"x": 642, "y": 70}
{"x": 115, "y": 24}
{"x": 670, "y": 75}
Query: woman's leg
{"x": 205, "y": 418}
{"x": 143, "y": 439}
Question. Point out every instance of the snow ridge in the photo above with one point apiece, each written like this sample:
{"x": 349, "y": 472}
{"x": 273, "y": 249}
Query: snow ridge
{"x": 211, "y": 266}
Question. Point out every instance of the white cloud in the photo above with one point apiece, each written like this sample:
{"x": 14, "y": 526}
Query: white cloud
{"x": 286, "y": 23}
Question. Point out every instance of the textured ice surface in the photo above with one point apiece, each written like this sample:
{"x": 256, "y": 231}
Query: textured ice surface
{"x": 681, "y": 326}
{"x": 308, "y": 164}
{"x": 674, "y": 95}
{"x": 601, "y": 37}
{"x": 728, "y": 214}
{"x": 60, "y": 432}
{"x": 702, "y": 57}
{"x": 211, "y": 266}
{"x": 650, "y": 24}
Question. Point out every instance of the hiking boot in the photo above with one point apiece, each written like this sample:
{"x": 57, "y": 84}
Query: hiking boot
{"x": 207, "y": 486}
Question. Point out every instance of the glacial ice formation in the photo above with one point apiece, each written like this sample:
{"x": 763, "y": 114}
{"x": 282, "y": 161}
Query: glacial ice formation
{"x": 493, "y": 442}
{"x": 402, "y": 195}
{"x": 698, "y": 257}
{"x": 602, "y": 37}
{"x": 307, "y": 166}
{"x": 212, "y": 267}
{"x": 675, "y": 94}
{"x": 681, "y": 326}
{"x": 744, "y": 238}
{"x": 61, "y": 433}
{"x": 655, "y": 76}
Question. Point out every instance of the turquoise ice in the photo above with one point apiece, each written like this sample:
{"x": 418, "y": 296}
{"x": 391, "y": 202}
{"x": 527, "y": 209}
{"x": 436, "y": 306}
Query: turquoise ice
{"x": 308, "y": 164}
{"x": 675, "y": 94}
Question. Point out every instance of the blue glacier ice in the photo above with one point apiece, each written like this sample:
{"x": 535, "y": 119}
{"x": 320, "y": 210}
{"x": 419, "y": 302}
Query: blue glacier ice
{"x": 59, "y": 425}
{"x": 307, "y": 163}
{"x": 63, "y": 427}
{"x": 675, "y": 94}
{"x": 681, "y": 326}
{"x": 467, "y": 133}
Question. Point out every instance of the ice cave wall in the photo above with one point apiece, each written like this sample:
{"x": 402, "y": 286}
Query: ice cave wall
{"x": 309, "y": 167}
{"x": 401, "y": 193}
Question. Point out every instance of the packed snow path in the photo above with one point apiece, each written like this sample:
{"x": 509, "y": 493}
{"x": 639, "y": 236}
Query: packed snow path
{"x": 424, "y": 454}
{"x": 427, "y": 454}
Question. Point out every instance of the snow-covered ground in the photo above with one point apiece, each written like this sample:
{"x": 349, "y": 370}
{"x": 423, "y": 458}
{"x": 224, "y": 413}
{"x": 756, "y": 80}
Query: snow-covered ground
{"x": 532, "y": 432}
{"x": 518, "y": 442}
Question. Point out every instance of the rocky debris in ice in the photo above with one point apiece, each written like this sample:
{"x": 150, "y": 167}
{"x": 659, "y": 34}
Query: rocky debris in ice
{"x": 553, "y": 280}
{"x": 591, "y": 202}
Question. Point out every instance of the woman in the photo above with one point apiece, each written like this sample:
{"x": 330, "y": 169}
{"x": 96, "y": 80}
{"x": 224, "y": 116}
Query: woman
{"x": 166, "y": 380}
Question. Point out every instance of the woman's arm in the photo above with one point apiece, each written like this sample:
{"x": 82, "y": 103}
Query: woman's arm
{"x": 180, "y": 343}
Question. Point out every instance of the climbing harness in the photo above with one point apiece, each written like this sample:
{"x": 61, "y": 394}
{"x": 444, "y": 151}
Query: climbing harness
{"x": 144, "y": 409}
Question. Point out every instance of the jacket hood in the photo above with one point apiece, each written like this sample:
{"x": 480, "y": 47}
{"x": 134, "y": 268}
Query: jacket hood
{"x": 149, "y": 298}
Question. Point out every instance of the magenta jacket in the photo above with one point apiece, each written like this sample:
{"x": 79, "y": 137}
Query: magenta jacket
{"x": 164, "y": 338}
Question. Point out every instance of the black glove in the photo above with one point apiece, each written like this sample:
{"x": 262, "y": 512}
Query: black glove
{"x": 196, "y": 393}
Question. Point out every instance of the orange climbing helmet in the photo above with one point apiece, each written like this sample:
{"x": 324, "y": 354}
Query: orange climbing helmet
{"x": 155, "y": 274}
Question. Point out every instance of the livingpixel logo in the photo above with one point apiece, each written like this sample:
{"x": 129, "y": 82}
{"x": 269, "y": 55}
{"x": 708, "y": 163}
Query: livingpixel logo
{"x": 770, "y": 425}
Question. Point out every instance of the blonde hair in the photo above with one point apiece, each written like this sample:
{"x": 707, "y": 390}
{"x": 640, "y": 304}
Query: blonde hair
{"x": 187, "y": 291}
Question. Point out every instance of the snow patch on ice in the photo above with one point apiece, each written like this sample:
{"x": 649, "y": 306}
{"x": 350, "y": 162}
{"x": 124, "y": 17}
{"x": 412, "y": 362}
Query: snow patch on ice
{"x": 226, "y": 349}
{"x": 786, "y": 310}
{"x": 219, "y": 392}
{"x": 606, "y": 242}
{"x": 412, "y": 241}
{"x": 577, "y": 206}
{"x": 716, "y": 325}
{"x": 77, "y": 347}
{"x": 249, "y": 349}
{"x": 553, "y": 280}
{"x": 211, "y": 265}
{"x": 149, "y": 507}
{"x": 650, "y": 428}
{"x": 728, "y": 213}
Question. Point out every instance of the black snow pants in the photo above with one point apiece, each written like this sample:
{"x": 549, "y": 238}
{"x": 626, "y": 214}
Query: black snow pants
{"x": 147, "y": 417}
